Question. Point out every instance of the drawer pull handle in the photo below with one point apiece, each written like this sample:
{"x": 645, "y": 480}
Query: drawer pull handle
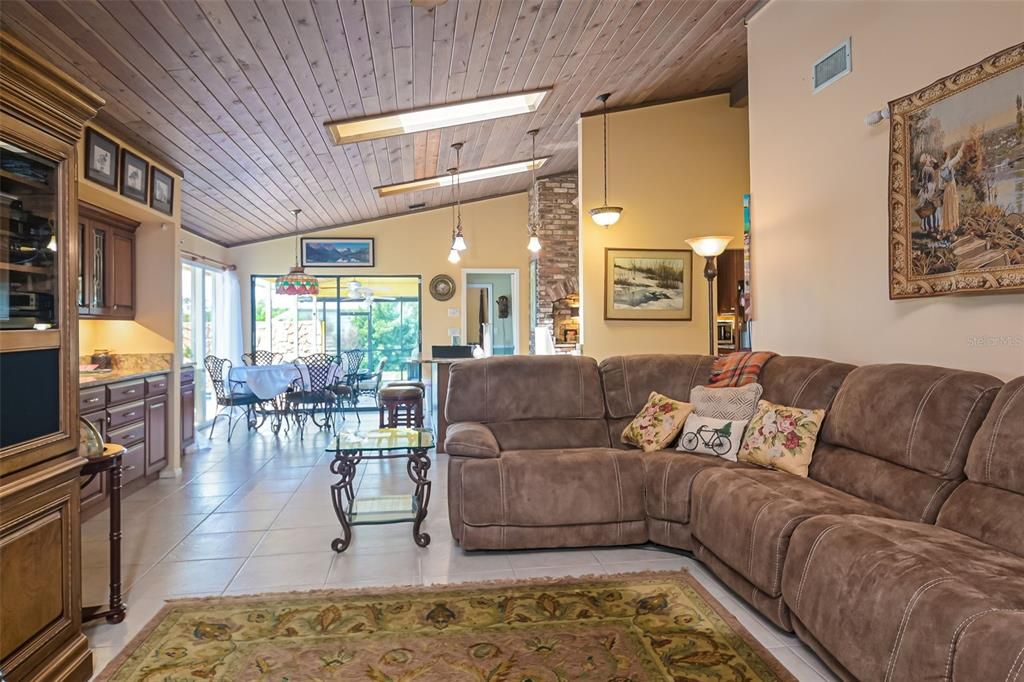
{"x": 127, "y": 467}
{"x": 93, "y": 400}
{"x": 130, "y": 392}
{"x": 126, "y": 415}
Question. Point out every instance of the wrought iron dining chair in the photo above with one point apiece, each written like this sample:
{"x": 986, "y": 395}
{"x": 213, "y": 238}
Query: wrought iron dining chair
{"x": 262, "y": 357}
{"x": 369, "y": 383}
{"x": 230, "y": 395}
{"x": 313, "y": 392}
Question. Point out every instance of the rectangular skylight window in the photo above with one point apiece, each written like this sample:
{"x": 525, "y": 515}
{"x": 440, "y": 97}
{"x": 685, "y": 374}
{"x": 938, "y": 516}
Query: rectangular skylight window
{"x": 464, "y": 177}
{"x": 431, "y": 118}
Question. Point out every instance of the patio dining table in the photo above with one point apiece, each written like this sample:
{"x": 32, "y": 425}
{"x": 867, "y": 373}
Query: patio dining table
{"x": 266, "y": 382}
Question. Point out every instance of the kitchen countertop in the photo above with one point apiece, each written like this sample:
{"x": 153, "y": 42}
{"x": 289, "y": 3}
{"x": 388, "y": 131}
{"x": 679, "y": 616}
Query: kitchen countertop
{"x": 118, "y": 375}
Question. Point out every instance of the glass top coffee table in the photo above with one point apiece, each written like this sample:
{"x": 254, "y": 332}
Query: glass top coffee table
{"x": 349, "y": 450}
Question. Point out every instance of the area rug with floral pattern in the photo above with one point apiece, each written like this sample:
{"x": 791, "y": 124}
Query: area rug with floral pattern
{"x": 628, "y": 627}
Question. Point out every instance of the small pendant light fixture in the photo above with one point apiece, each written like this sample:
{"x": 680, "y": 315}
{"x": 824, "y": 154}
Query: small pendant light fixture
{"x": 459, "y": 242}
{"x": 297, "y": 282}
{"x": 534, "y": 244}
{"x": 453, "y": 254}
{"x": 605, "y": 215}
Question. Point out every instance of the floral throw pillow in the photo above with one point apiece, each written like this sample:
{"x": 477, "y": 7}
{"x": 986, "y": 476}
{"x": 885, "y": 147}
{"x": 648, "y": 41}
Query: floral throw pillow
{"x": 781, "y": 437}
{"x": 658, "y": 423}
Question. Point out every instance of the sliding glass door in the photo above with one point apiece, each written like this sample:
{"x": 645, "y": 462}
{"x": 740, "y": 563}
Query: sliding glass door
{"x": 378, "y": 315}
{"x": 200, "y": 333}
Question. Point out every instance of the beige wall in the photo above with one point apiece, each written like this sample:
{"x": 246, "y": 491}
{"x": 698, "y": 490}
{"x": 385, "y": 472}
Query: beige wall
{"x": 679, "y": 170}
{"x": 417, "y": 244}
{"x": 819, "y": 184}
{"x": 156, "y": 327}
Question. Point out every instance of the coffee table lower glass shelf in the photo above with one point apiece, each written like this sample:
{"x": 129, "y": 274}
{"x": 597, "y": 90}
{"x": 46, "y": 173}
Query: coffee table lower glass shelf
{"x": 349, "y": 450}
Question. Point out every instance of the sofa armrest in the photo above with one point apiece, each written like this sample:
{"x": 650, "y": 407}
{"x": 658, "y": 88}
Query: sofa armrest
{"x": 471, "y": 439}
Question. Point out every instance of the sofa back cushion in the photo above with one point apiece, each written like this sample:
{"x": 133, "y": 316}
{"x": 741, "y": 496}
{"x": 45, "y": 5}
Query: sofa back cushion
{"x": 807, "y": 383}
{"x": 531, "y": 402}
{"x": 524, "y": 387}
{"x": 913, "y": 417}
{"x": 990, "y": 505}
{"x": 628, "y": 380}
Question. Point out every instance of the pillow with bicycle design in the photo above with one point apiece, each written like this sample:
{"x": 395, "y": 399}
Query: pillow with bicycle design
{"x": 710, "y": 436}
{"x": 782, "y": 438}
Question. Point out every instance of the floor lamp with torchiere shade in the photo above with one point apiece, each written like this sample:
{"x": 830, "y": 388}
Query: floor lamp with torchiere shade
{"x": 711, "y": 248}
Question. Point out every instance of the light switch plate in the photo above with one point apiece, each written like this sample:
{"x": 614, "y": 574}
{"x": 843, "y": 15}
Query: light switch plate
{"x": 453, "y": 312}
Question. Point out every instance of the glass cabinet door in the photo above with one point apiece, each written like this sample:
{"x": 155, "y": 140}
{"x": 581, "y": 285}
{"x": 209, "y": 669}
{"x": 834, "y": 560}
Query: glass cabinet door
{"x": 99, "y": 270}
{"x": 28, "y": 240}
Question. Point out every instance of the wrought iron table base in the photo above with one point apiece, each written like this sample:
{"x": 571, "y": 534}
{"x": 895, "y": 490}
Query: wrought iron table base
{"x": 345, "y": 464}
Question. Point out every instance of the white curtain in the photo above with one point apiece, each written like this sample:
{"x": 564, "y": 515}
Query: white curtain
{"x": 228, "y": 338}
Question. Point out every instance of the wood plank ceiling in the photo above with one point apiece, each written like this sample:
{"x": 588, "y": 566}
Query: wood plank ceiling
{"x": 235, "y": 93}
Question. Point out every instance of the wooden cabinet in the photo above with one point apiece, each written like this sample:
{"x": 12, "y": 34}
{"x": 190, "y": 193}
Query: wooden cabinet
{"x": 188, "y": 407}
{"x": 133, "y": 413}
{"x": 730, "y": 279}
{"x": 42, "y": 117}
{"x": 107, "y": 262}
{"x": 156, "y": 434}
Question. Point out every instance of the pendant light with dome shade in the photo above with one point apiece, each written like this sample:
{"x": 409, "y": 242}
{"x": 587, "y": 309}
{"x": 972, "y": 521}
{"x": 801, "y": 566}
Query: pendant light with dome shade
{"x": 534, "y": 244}
{"x": 605, "y": 215}
{"x": 297, "y": 282}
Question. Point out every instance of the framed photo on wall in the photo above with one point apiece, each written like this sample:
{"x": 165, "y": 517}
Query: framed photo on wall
{"x": 337, "y": 252}
{"x": 956, "y": 185}
{"x": 100, "y": 159}
{"x": 161, "y": 191}
{"x": 134, "y": 176}
{"x": 648, "y": 284}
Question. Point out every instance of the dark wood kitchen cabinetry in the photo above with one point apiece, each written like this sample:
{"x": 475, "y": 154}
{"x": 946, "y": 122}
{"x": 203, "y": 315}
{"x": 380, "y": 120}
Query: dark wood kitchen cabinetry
{"x": 188, "y": 407}
{"x": 132, "y": 413}
{"x": 106, "y": 282}
{"x": 730, "y": 279}
{"x": 43, "y": 114}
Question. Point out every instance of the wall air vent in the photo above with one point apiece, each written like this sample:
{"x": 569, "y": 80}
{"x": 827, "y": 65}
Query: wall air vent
{"x": 833, "y": 66}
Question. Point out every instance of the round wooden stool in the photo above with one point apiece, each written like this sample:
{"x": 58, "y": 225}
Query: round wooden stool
{"x": 403, "y": 406}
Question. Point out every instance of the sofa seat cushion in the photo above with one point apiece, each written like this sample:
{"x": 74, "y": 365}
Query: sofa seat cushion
{"x": 553, "y": 488}
{"x": 745, "y": 517}
{"x": 894, "y": 599}
{"x": 668, "y": 481}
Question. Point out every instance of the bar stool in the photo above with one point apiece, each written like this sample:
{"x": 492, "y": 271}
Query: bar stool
{"x": 403, "y": 406}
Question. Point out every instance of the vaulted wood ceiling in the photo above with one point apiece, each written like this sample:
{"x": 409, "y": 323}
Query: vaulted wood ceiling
{"x": 235, "y": 93}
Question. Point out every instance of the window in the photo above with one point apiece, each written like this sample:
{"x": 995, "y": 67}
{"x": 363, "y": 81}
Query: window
{"x": 376, "y": 314}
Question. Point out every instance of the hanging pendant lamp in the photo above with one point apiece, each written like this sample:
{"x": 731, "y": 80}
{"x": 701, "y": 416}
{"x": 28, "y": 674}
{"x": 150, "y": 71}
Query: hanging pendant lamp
{"x": 297, "y": 282}
{"x": 459, "y": 242}
{"x": 453, "y": 254}
{"x": 605, "y": 215}
{"x": 533, "y": 245}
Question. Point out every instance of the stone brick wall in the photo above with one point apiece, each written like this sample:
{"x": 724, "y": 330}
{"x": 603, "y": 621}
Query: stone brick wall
{"x": 557, "y": 220}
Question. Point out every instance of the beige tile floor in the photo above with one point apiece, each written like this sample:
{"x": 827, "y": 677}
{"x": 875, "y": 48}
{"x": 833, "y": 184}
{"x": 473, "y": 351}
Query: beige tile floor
{"x": 255, "y": 516}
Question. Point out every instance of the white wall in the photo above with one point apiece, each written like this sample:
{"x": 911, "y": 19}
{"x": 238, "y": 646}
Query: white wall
{"x": 819, "y": 184}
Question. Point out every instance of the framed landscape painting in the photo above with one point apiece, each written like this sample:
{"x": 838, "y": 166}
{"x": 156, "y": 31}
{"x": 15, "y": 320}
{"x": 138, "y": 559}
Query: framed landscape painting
{"x": 956, "y": 182}
{"x": 330, "y": 252}
{"x": 645, "y": 284}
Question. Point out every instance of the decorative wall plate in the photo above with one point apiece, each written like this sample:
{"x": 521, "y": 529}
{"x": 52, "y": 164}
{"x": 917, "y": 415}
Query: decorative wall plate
{"x": 442, "y": 287}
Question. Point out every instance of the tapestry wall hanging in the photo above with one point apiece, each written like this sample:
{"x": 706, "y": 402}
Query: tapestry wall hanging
{"x": 956, "y": 182}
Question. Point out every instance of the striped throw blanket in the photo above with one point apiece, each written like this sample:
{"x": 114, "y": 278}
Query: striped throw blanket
{"x": 738, "y": 369}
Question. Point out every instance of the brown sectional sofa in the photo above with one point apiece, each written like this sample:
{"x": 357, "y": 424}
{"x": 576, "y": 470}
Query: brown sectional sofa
{"x": 901, "y": 557}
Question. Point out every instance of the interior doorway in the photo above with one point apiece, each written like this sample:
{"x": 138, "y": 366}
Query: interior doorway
{"x": 490, "y": 309}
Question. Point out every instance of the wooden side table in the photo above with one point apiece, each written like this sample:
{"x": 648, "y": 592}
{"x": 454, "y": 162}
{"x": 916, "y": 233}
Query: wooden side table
{"x": 109, "y": 463}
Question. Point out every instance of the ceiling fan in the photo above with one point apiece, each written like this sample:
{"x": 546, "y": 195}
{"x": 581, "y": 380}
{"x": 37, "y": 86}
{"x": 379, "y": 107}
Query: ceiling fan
{"x": 360, "y": 293}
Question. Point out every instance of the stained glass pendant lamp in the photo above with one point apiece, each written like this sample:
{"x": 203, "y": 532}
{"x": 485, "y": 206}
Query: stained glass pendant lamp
{"x": 605, "y": 215}
{"x": 534, "y": 243}
{"x": 297, "y": 282}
